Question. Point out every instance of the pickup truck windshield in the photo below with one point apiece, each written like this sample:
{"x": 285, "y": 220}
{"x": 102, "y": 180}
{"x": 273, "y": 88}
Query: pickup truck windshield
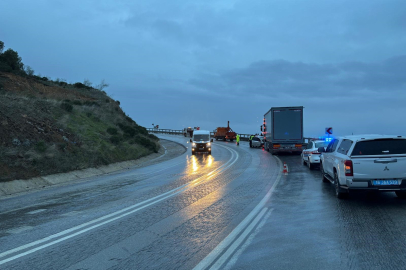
{"x": 201, "y": 137}
{"x": 380, "y": 147}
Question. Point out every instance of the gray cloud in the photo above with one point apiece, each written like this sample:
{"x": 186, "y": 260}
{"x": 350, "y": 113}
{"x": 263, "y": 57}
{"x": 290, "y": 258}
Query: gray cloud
{"x": 207, "y": 61}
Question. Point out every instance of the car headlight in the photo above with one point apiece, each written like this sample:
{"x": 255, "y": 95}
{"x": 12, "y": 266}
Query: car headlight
{"x": 208, "y": 144}
{"x": 193, "y": 145}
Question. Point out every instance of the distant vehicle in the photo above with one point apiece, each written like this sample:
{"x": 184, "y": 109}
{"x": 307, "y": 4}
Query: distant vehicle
{"x": 188, "y": 132}
{"x": 225, "y": 133}
{"x": 258, "y": 141}
{"x": 201, "y": 142}
{"x": 365, "y": 162}
{"x": 283, "y": 129}
{"x": 311, "y": 155}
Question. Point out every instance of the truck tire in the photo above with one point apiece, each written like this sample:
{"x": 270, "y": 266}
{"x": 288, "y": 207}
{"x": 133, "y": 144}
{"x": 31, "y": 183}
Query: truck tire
{"x": 340, "y": 193}
{"x": 209, "y": 152}
{"x": 323, "y": 174}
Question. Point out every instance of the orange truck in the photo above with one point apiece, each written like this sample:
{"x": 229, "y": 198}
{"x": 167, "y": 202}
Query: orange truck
{"x": 225, "y": 133}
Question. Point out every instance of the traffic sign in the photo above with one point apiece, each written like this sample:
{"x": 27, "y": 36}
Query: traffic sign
{"x": 329, "y": 130}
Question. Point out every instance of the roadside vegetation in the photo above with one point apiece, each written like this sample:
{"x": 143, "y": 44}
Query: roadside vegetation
{"x": 51, "y": 126}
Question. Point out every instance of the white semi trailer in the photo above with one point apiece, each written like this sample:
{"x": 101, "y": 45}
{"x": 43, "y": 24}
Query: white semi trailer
{"x": 283, "y": 130}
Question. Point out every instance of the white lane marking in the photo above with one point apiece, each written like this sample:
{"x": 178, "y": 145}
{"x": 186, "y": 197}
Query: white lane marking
{"x": 35, "y": 211}
{"x": 233, "y": 259}
{"x": 71, "y": 214}
{"x": 20, "y": 229}
{"x": 223, "y": 245}
{"x": 238, "y": 241}
{"x": 133, "y": 208}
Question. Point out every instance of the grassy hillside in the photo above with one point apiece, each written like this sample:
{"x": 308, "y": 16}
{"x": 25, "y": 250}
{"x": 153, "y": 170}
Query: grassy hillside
{"x": 50, "y": 127}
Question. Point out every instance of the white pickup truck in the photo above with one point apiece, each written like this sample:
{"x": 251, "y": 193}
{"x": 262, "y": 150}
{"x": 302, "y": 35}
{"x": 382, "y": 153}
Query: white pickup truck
{"x": 365, "y": 162}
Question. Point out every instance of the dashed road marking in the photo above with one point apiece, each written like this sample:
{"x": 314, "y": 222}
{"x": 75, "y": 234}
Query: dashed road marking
{"x": 35, "y": 211}
{"x": 20, "y": 229}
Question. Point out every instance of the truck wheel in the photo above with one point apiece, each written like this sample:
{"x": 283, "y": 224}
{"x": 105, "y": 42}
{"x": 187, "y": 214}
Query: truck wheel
{"x": 209, "y": 152}
{"x": 323, "y": 174}
{"x": 401, "y": 194}
{"x": 340, "y": 193}
{"x": 303, "y": 162}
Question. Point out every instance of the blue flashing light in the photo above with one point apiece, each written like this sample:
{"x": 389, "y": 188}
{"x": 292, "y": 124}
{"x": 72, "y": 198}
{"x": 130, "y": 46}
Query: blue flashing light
{"x": 326, "y": 139}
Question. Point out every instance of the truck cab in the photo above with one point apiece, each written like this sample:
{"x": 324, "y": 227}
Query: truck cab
{"x": 201, "y": 142}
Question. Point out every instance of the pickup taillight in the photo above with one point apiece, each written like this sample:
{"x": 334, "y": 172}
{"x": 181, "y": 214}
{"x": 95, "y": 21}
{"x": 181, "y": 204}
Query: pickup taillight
{"x": 348, "y": 168}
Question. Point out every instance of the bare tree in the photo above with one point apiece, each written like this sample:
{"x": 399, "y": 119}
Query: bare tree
{"x": 28, "y": 70}
{"x": 102, "y": 85}
{"x": 87, "y": 83}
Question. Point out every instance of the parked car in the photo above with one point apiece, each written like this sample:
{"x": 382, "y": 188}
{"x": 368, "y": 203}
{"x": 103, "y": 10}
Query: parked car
{"x": 258, "y": 141}
{"x": 311, "y": 155}
{"x": 365, "y": 162}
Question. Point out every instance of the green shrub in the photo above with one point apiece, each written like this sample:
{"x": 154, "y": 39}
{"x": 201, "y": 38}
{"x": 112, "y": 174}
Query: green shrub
{"x": 41, "y": 147}
{"x": 44, "y": 78}
{"x": 79, "y": 85}
{"x": 147, "y": 143}
{"x": 91, "y": 103}
{"x": 63, "y": 83}
{"x": 12, "y": 59}
{"x": 127, "y": 130}
{"x": 112, "y": 131}
{"x": 129, "y": 119}
{"x": 153, "y": 137}
{"x": 115, "y": 139}
{"x": 5, "y": 67}
{"x": 77, "y": 102}
{"x": 107, "y": 100}
{"x": 142, "y": 130}
{"x": 67, "y": 107}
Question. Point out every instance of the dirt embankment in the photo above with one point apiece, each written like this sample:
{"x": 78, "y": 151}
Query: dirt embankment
{"x": 49, "y": 127}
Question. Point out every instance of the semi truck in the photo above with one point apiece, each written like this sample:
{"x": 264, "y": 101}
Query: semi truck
{"x": 283, "y": 130}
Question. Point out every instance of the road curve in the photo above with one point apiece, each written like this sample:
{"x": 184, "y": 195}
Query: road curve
{"x": 186, "y": 212}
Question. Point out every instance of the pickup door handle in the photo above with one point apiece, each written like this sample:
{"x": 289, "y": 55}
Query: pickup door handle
{"x": 392, "y": 160}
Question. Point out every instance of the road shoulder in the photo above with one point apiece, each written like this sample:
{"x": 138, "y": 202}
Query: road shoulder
{"x": 169, "y": 150}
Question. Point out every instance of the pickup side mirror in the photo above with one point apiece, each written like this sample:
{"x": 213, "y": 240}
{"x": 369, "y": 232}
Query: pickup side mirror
{"x": 191, "y": 140}
{"x": 211, "y": 140}
{"x": 321, "y": 150}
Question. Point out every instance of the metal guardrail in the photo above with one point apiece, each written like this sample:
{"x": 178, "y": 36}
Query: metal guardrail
{"x": 243, "y": 137}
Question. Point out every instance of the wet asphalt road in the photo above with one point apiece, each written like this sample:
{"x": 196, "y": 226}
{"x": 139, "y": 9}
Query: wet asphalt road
{"x": 233, "y": 210}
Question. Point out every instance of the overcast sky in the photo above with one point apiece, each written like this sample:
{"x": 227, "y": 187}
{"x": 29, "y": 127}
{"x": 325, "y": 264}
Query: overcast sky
{"x": 203, "y": 62}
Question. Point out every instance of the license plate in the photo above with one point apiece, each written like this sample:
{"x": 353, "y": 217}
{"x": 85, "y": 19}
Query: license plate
{"x": 386, "y": 182}
{"x": 201, "y": 148}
